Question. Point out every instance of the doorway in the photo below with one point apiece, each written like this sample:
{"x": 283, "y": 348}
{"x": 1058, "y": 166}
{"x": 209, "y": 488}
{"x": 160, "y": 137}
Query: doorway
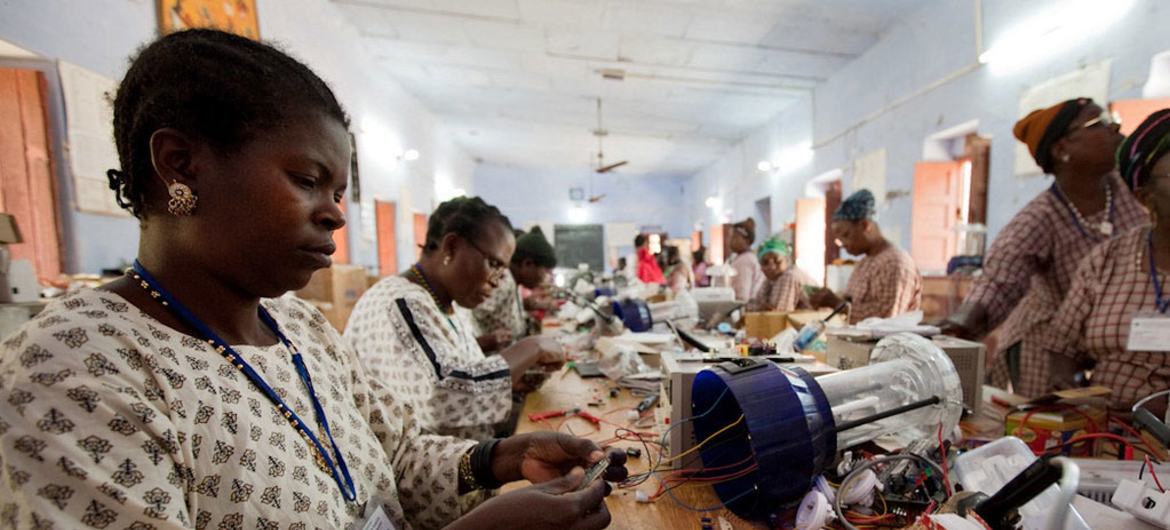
{"x": 386, "y": 223}
{"x": 28, "y": 188}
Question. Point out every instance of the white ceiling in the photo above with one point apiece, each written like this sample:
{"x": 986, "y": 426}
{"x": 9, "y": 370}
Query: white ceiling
{"x": 517, "y": 80}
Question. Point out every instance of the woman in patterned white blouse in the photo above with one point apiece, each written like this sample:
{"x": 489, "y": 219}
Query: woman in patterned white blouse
{"x": 188, "y": 395}
{"x": 408, "y": 334}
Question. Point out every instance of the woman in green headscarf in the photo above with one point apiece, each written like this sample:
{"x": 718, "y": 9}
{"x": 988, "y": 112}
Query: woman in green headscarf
{"x": 781, "y": 290}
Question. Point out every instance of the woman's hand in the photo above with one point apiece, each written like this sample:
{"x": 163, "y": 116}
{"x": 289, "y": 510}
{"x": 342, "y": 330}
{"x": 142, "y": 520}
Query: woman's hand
{"x": 824, "y": 298}
{"x": 552, "y": 505}
{"x": 544, "y": 456}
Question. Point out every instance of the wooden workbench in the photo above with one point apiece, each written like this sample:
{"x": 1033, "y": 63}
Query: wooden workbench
{"x": 567, "y": 390}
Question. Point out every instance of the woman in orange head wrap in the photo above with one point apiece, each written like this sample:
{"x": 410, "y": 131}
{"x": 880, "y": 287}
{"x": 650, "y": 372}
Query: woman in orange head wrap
{"x": 1031, "y": 262}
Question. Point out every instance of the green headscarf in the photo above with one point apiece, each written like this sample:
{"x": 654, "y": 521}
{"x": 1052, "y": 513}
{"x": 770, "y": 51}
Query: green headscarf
{"x": 774, "y": 245}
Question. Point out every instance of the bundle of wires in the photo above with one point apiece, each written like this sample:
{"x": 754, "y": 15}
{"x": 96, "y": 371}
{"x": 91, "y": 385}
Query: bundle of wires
{"x": 847, "y": 519}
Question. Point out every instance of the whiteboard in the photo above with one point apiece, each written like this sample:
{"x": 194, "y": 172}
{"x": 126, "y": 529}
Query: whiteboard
{"x": 89, "y": 117}
{"x": 1090, "y": 81}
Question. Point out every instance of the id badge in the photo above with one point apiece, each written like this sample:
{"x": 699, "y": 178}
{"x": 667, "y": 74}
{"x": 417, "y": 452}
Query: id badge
{"x": 375, "y": 518}
{"x": 1149, "y": 332}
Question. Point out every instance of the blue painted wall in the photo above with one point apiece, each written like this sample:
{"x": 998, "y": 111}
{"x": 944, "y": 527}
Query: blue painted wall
{"x": 529, "y": 196}
{"x": 884, "y": 100}
{"x": 101, "y": 35}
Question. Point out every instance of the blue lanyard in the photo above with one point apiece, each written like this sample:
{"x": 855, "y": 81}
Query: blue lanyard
{"x": 1076, "y": 222}
{"x": 1159, "y": 303}
{"x": 342, "y": 476}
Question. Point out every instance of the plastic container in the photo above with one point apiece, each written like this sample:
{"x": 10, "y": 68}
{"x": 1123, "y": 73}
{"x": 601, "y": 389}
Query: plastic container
{"x": 989, "y": 467}
{"x": 903, "y": 369}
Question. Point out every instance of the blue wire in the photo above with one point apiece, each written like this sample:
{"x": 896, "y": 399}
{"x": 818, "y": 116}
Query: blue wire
{"x": 719, "y": 506}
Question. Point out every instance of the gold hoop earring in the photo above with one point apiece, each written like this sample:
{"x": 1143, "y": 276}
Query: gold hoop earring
{"x": 182, "y": 201}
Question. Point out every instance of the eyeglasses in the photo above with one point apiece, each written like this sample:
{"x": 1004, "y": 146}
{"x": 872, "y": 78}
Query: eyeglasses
{"x": 1104, "y": 120}
{"x": 496, "y": 266}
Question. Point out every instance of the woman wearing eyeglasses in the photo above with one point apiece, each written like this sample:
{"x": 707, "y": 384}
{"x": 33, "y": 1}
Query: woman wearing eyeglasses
{"x": 409, "y": 336}
{"x": 1030, "y": 266}
{"x": 1115, "y": 312}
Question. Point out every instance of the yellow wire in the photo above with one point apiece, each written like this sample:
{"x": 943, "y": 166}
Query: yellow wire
{"x": 883, "y": 499}
{"x": 709, "y": 438}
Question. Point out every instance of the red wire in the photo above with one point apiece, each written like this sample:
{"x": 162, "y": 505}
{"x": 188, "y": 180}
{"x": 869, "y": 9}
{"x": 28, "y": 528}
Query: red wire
{"x": 1152, "y": 474}
{"x": 1092, "y": 436}
{"x": 942, "y": 451}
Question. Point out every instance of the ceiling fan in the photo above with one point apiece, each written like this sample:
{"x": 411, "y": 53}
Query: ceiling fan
{"x": 601, "y": 133}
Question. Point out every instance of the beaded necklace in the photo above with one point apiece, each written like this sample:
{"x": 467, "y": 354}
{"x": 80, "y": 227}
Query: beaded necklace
{"x": 1105, "y": 227}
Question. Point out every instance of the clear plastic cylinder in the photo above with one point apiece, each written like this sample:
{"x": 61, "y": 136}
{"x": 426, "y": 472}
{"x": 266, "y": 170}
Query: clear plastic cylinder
{"x": 903, "y": 369}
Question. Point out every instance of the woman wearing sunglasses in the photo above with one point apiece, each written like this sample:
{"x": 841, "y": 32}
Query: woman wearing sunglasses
{"x": 1115, "y": 314}
{"x": 410, "y": 337}
{"x": 1030, "y": 266}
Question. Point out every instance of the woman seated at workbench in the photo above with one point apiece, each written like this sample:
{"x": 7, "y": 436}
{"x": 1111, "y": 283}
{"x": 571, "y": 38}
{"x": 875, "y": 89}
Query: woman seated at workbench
{"x": 885, "y": 283}
{"x": 189, "y": 393}
{"x": 782, "y": 289}
{"x": 1114, "y": 315}
{"x": 409, "y": 336}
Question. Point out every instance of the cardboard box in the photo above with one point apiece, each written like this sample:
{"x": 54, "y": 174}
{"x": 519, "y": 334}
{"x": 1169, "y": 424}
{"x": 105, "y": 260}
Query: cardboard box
{"x": 764, "y": 325}
{"x": 843, "y": 353}
{"x": 797, "y": 319}
{"x": 340, "y": 285}
{"x": 1043, "y": 429}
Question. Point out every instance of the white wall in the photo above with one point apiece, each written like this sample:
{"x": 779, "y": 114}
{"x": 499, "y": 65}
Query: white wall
{"x": 101, "y": 35}
{"x": 922, "y": 77}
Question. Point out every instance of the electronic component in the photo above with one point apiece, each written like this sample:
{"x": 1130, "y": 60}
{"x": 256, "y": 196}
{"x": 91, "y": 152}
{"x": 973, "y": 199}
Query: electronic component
{"x": 646, "y": 403}
{"x": 594, "y": 473}
{"x": 633, "y": 452}
{"x": 776, "y": 427}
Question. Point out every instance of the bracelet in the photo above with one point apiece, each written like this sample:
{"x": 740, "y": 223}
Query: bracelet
{"x": 467, "y": 481}
{"x": 481, "y": 465}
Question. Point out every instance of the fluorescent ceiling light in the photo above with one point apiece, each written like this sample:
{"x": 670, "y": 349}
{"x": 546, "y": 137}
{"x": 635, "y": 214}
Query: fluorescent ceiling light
{"x": 1050, "y": 31}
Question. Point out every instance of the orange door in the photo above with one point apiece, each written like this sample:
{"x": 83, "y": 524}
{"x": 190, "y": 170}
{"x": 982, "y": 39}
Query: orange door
{"x": 420, "y": 233}
{"x": 27, "y": 188}
{"x": 385, "y": 213}
{"x": 810, "y": 237}
{"x": 1132, "y": 112}
{"x": 715, "y": 253}
{"x": 937, "y": 208}
{"x": 341, "y": 239}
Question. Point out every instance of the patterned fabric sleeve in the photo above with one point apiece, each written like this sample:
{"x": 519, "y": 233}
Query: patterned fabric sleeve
{"x": 79, "y": 446}
{"x": 426, "y": 467}
{"x": 1018, "y": 253}
{"x": 1065, "y": 334}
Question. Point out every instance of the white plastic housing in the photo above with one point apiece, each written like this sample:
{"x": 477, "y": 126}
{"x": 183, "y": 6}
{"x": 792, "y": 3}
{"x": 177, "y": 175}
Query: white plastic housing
{"x": 903, "y": 369}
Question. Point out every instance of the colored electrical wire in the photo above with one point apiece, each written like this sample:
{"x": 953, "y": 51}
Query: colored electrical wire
{"x": 704, "y": 442}
{"x": 1155, "y": 475}
{"x": 862, "y": 467}
{"x": 1096, "y": 436}
{"x": 942, "y": 452}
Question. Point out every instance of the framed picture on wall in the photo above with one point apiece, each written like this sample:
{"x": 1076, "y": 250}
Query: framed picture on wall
{"x": 233, "y": 16}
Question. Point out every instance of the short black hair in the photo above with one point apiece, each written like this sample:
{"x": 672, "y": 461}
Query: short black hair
{"x": 1141, "y": 150}
{"x": 221, "y": 88}
{"x": 465, "y": 217}
{"x": 639, "y": 240}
